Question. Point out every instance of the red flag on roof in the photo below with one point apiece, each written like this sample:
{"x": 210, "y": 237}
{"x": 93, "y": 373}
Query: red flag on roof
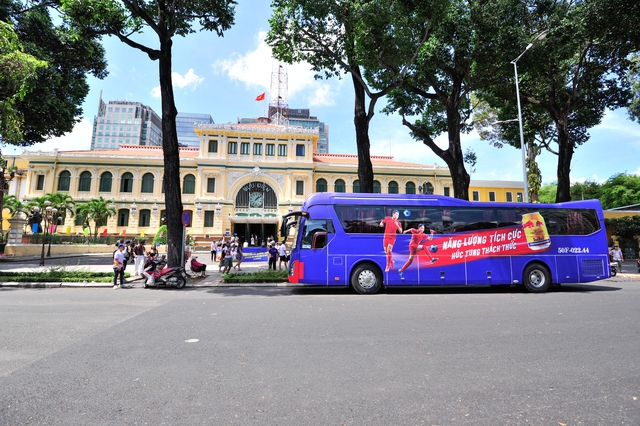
{"x": 260, "y": 97}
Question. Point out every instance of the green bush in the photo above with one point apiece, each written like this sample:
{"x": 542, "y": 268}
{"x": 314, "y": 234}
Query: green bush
{"x": 267, "y": 276}
{"x": 58, "y": 274}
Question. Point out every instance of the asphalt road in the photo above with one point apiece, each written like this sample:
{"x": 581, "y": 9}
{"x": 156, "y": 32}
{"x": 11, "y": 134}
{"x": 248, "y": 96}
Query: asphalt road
{"x": 284, "y": 356}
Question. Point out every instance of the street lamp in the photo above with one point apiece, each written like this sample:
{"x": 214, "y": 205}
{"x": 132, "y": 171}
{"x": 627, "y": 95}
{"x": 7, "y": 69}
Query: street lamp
{"x": 539, "y": 37}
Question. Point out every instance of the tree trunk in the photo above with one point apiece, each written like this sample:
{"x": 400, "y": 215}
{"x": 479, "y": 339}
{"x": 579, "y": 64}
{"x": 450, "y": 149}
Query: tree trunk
{"x": 361, "y": 121}
{"x": 173, "y": 198}
{"x": 455, "y": 157}
{"x": 565, "y": 154}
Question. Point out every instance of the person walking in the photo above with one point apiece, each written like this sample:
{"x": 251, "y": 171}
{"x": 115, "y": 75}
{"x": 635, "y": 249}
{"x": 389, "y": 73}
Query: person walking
{"x": 127, "y": 253}
{"x": 227, "y": 263}
{"x": 213, "y": 250}
{"x": 118, "y": 267}
{"x": 238, "y": 258}
{"x": 138, "y": 257}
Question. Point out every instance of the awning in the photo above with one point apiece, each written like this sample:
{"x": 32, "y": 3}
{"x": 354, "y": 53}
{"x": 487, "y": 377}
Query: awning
{"x": 254, "y": 219}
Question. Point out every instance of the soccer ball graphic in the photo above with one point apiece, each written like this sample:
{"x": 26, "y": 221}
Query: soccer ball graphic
{"x": 406, "y": 213}
{"x": 433, "y": 248}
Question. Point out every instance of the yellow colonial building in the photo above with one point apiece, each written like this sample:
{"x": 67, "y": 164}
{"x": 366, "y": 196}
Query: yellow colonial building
{"x": 241, "y": 180}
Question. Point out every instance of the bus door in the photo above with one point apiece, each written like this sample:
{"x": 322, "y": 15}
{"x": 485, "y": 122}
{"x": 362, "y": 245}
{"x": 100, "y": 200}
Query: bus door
{"x": 317, "y": 235}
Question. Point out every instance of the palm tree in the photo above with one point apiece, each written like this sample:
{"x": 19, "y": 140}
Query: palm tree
{"x": 97, "y": 210}
{"x": 59, "y": 200}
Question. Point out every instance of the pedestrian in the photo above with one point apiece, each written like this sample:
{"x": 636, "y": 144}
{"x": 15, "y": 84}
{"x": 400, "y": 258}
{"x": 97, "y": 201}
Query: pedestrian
{"x": 197, "y": 267}
{"x": 127, "y": 253}
{"x": 616, "y": 256}
{"x": 238, "y": 258}
{"x": 213, "y": 250}
{"x": 273, "y": 256}
{"x": 138, "y": 257}
{"x": 118, "y": 267}
{"x": 282, "y": 254}
{"x": 228, "y": 258}
{"x": 153, "y": 251}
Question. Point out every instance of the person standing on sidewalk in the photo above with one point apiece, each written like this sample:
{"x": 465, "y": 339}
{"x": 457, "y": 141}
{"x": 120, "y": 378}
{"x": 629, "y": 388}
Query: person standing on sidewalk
{"x": 616, "y": 256}
{"x": 138, "y": 255}
{"x": 273, "y": 256}
{"x": 118, "y": 267}
{"x": 213, "y": 250}
{"x": 127, "y": 253}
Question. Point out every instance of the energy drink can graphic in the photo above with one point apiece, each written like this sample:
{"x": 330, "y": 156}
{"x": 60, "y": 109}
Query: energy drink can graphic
{"x": 535, "y": 230}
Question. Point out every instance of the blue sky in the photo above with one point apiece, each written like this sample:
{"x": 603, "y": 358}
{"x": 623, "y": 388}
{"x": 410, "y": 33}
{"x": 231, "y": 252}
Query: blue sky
{"x": 221, "y": 76}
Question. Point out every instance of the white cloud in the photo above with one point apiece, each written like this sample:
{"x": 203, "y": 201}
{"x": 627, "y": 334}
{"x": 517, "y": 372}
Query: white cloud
{"x": 189, "y": 81}
{"x": 78, "y": 139}
{"x": 255, "y": 68}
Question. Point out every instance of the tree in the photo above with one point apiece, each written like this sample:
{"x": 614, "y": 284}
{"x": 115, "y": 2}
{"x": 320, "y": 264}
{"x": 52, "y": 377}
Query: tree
{"x": 578, "y": 71}
{"x": 17, "y": 74}
{"x": 634, "y": 78}
{"x": 375, "y": 42}
{"x": 587, "y": 190}
{"x": 620, "y": 190}
{"x": 98, "y": 211}
{"x": 627, "y": 229}
{"x": 548, "y": 192}
{"x": 464, "y": 54}
{"x": 51, "y": 106}
{"x": 57, "y": 200}
{"x": 127, "y": 18}
{"x": 498, "y": 126}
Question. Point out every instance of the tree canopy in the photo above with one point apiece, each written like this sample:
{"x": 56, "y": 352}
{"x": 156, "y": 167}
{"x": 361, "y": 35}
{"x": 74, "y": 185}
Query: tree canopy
{"x": 578, "y": 71}
{"x": 375, "y": 42}
{"x": 52, "y": 105}
{"x": 127, "y": 19}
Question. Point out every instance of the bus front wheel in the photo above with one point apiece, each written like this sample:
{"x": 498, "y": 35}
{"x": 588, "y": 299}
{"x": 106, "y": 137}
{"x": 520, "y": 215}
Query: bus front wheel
{"x": 536, "y": 278}
{"x": 366, "y": 279}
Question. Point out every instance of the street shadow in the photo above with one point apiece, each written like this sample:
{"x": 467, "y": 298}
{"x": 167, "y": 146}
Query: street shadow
{"x": 346, "y": 291}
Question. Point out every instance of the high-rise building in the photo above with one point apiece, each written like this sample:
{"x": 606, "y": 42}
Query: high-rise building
{"x": 184, "y": 125}
{"x": 125, "y": 123}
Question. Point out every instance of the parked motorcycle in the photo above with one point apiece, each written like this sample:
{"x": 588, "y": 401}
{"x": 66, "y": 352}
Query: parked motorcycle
{"x": 614, "y": 268}
{"x": 158, "y": 274}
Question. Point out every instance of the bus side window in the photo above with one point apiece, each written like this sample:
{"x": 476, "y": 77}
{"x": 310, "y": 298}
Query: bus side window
{"x": 319, "y": 240}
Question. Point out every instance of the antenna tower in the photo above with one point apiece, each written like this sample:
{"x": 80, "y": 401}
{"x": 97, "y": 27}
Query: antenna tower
{"x": 278, "y": 94}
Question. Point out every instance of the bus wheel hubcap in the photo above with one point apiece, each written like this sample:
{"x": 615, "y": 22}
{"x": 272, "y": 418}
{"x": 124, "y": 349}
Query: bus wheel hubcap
{"x": 367, "y": 279}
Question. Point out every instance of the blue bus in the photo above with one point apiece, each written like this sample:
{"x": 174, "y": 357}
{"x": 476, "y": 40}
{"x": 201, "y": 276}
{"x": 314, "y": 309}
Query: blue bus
{"x": 371, "y": 241}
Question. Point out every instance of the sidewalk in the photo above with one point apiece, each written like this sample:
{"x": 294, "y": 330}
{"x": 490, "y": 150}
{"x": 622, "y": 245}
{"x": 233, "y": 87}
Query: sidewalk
{"x": 212, "y": 279}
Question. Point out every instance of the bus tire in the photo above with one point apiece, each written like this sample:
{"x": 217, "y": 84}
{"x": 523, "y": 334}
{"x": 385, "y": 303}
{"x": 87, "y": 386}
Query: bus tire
{"x": 536, "y": 278}
{"x": 366, "y": 278}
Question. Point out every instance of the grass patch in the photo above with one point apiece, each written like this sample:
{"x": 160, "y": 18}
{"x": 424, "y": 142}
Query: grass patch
{"x": 59, "y": 274}
{"x": 267, "y": 276}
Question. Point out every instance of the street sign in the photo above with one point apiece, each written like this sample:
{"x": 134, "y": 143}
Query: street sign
{"x": 186, "y": 217}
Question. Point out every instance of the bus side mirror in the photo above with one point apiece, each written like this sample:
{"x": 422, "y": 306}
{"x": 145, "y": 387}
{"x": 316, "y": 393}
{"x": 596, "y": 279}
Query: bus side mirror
{"x": 319, "y": 240}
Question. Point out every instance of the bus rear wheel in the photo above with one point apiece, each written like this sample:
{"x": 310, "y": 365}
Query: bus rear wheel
{"x": 536, "y": 278}
{"x": 366, "y": 279}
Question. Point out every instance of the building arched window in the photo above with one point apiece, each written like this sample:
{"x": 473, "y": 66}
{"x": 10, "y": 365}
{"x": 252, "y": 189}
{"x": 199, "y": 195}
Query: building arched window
{"x": 410, "y": 188}
{"x": 85, "y": 181}
{"x": 321, "y": 185}
{"x": 147, "y": 183}
{"x": 126, "y": 184}
{"x": 356, "y": 185}
{"x": 189, "y": 184}
{"x": 144, "y": 218}
{"x": 105, "y": 182}
{"x": 339, "y": 186}
{"x": 123, "y": 217}
{"x": 393, "y": 187}
{"x": 63, "y": 181}
{"x": 377, "y": 189}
